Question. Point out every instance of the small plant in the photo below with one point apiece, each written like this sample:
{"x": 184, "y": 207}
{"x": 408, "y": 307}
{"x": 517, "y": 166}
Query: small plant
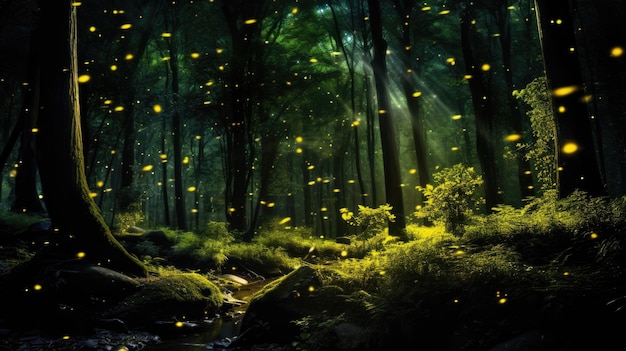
{"x": 371, "y": 221}
{"x": 453, "y": 199}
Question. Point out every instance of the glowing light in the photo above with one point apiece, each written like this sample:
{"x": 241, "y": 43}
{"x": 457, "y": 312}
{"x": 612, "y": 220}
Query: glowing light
{"x": 344, "y": 253}
{"x": 336, "y": 191}
{"x": 310, "y": 167}
{"x": 412, "y": 171}
{"x": 323, "y": 209}
{"x": 126, "y": 26}
{"x": 37, "y": 287}
{"x": 294, "y": 10}
{"x": 99, "y": 184}
{"x": 456, "y": 117}
{"x": 129, "y": 57}
{"x": 311, "y": 288}
{"x": 34, "y": 130}
{"x": 77, "y": 3}
{"x": 313, "y": 60}
{"x": 562, "y": 109}
{"x": 157, "y": 108}
{"x": 569, "y": 148}
{"x": 382, "y": 112}
{"x": 285, "y": 220}
{"x": 299, "y": 150}
{"x": 513, "y": 137}
{"x": 426, "y": 8}
{"x": 417, "y": 94}
{"x": 191, "y": 189}
{"x": 195, "y": 55}
{"x": 84, "y": 78}
{"x": 355, "y": 124}
{"x": 92, "y": 29}
{"x": 485, "y": 67}
{"x": 468, "y": 76}
{"x": 564, "y": 91}
{"x": 312, "y": 182}
{"x": 250, "y": 21}
{"x": 617, "y": 51}
{"x": 451, "y": 61}
{"x": 118, "y": 108}
{"x": 444, "y": 12}
{"x": 81, "y": 254}
{"x": 454, "y": 148}
{"x": 186, "y": 160}
{"x": 179, "y": 324}
{"x": 113, "y": 68}
{"x": 166, "y": 35}
{"x": 502, "y": 301}
{"x": 593, "y": 236}
{"x": 146, "y": 168}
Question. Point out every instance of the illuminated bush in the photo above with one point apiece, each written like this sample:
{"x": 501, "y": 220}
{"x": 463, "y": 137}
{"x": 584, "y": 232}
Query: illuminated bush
{"x": 453, "y": 197}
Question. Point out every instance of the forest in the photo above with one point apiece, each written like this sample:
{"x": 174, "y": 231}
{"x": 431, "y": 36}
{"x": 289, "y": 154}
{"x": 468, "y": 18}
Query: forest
{"x": 378, "y": 170}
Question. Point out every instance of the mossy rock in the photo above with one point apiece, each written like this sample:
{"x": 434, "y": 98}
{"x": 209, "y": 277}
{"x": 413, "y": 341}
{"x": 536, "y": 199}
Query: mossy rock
{"x": 172, "y": 297}
{"x": 300, "y": 308}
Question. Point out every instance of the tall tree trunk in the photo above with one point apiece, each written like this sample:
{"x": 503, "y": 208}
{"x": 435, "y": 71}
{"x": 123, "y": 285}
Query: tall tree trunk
{"x": 82, "y": 230}
{"x": 524, "y": 176}
{"x": 244, "y": 36}
{"x": 177, "y": 137}
{"x": 578, "y": 166}
{"x": 26, "y": 196}
{"x": 405, "y": 9}
{"x": 391, "y": 160}
{"x": 482, "y": 112}
{"x": 603, "y": 40}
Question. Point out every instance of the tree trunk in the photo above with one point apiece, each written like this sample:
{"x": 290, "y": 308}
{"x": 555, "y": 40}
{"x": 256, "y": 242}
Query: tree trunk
{"x": 391, "y": 161}
{"x": 82, "y": 231}
{"x": 482, "y": 112}
{"x": 405, "y": 8}
{"x": 524, "y": 175}
{"x": 26, "y": 195}
{"x": 578, "y": 166}
{"x": 179, "y": 189}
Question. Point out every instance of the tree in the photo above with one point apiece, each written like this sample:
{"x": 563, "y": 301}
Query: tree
{"x": 483, "y": 106}
{"x": 577, "y": 162}
{"x": 391, "y": 161}
{"x": 82, "y": 231}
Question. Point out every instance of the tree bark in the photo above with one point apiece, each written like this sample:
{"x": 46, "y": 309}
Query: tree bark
{"x": 82, "y": 231}
{"x": 482, "y": 112}
{"x": 577, "y": 163}
{"x": 391, "y": 161}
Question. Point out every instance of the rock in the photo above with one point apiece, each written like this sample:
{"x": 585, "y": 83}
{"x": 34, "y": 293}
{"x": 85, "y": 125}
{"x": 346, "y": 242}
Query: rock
{"x": 299, "y": 304}
{"x": 235, "y": 278}
{"x": 343, "y": 240}
{"x": 158, "y": 237}
{"x": 185, "y": 295}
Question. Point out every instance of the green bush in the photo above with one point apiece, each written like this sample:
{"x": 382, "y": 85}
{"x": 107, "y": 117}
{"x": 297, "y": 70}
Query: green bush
{"x": 452, "y": 200}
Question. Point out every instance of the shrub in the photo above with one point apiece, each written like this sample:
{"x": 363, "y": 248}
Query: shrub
{"x": 452, "y": 199}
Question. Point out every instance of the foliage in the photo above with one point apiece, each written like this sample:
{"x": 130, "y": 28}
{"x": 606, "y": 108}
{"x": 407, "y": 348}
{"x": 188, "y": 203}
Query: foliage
{"x": 300, "y": 243}
{"x": 453, "y": 198}
{"x": 371, "y": 221}
{"x": 541, "y": 151}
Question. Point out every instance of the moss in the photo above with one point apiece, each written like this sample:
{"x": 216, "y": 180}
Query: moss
{"x": 173, "y": 296}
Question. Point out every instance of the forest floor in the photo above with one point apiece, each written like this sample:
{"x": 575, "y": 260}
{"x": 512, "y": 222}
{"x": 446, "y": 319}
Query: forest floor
{"x": 544, "y": 279}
